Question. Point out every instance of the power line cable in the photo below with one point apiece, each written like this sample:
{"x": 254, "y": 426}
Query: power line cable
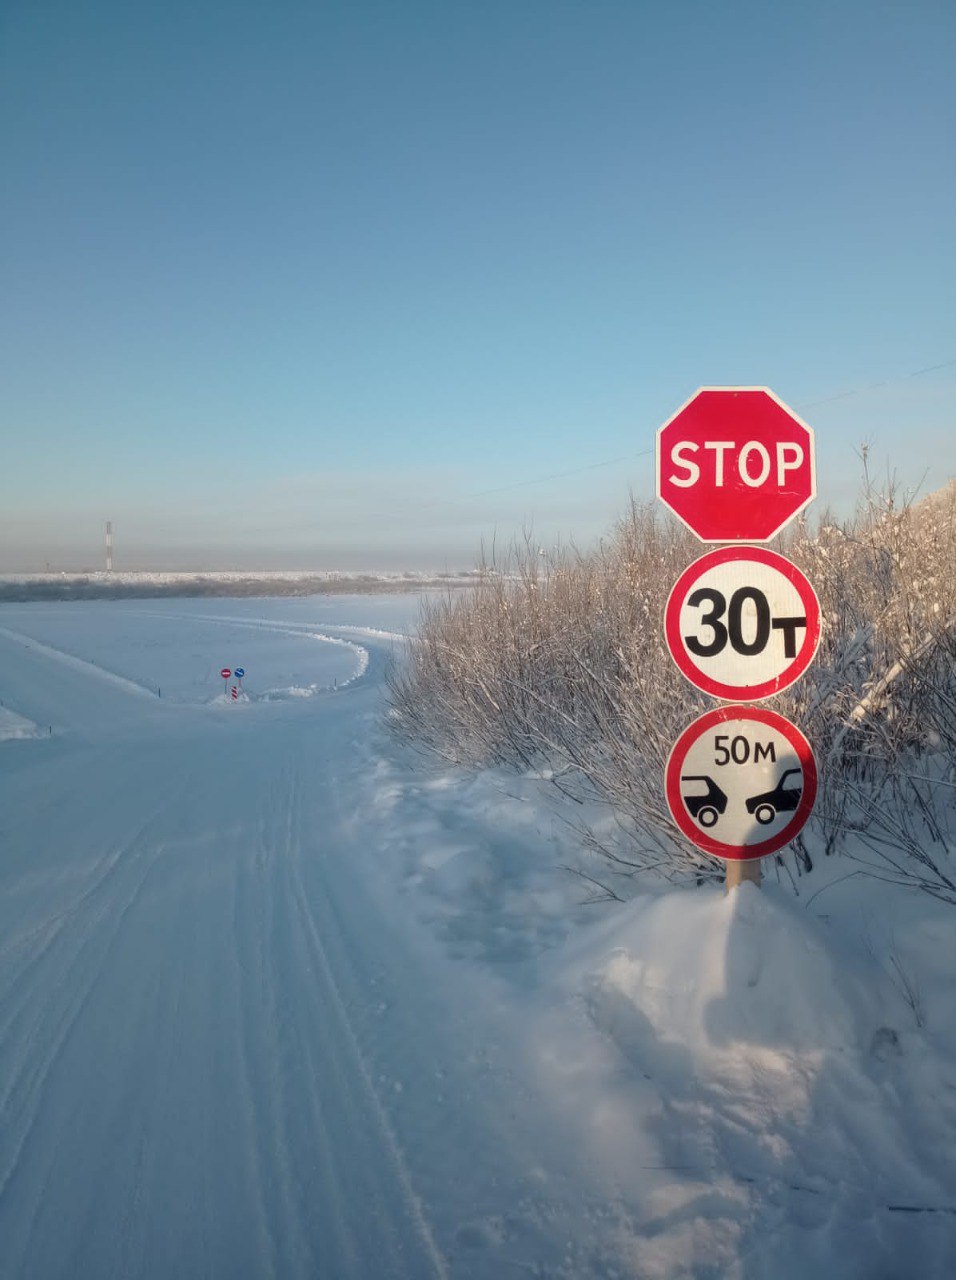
{"x": 857, "y": 391}
{"x": 632, "y": 457}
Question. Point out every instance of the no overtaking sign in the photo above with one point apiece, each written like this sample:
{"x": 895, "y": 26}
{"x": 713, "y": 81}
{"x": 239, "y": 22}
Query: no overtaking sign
{"x": 740, "y": 782}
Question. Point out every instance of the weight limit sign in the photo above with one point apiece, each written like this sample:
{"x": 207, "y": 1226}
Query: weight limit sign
{"x": 741, "y": 782}
{"x": 742, "y": 623}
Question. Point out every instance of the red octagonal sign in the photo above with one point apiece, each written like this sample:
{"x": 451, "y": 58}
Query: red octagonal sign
{"x": 735, "y": 464}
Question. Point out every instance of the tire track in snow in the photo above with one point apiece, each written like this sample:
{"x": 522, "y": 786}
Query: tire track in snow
{"x": 104, "y": 869}
{"x": 323, "y": 967}
{"x": 310, "y": 1112}
{"x": 143, "y": 1147}
{"x": 81, "y": 949}
{"x": 305, "y": 1107}
{"x": 322, "y": 1067}
{"x": 66, "y": 659}
{"x": 29, "y": 1078}
{"x": 290, "y": 629}
{"x": 250, "y": 908}
{"x": 268, "y": 1105}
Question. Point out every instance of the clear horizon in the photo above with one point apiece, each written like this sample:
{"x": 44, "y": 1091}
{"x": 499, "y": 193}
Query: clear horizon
{"x": 88, "y": 557}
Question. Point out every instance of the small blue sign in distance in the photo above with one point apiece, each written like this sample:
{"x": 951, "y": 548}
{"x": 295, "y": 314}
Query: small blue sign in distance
{"x": 239, "y": 673}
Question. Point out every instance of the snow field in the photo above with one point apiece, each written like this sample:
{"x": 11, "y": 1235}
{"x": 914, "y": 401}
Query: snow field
{"x": 747, "y": 1080}
{"x": 179, "y": 657}
{"x": 15, "y": 726}
{"x": 279, "y": 998}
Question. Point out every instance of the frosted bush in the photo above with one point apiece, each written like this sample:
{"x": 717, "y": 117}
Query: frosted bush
{"x": 557, "y": 660}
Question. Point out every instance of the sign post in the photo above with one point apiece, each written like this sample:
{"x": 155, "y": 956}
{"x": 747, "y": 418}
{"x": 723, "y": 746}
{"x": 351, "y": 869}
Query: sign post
{"x": 226, "y": 672}
{"x": 742, "y": 623}
{"x": 737, "y": 872}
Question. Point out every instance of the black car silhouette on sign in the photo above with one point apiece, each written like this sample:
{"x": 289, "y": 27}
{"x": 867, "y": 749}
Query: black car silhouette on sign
{"x": 708, "y": 807}
{"x": 781, "y": 799}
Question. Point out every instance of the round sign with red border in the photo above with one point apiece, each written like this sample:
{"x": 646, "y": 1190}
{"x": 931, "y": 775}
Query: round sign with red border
{"x": 741, "y": 782}
{"x": 226, "y": 672}
{"x": 742, "y": 623}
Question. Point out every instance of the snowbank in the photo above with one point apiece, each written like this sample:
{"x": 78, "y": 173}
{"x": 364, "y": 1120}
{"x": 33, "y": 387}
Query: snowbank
{"x": 726, "y": 974}
{"x": 767, "y": 1089}
{"x": 760, "y": 1090}
{"x": 16, "y": 726}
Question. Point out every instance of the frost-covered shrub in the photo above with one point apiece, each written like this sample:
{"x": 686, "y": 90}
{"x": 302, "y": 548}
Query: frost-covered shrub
{"x": 880, "y": 704}
{"x": 557, "y": 659}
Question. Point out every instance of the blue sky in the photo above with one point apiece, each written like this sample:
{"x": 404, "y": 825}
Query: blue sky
{"x": 321, "y": 284}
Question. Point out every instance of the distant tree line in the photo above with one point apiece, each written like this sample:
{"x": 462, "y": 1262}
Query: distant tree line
{"x": 96, "y": 587}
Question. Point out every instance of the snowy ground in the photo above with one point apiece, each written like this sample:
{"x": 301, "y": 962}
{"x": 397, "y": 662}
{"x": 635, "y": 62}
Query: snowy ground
{"x": 279, "y": 999}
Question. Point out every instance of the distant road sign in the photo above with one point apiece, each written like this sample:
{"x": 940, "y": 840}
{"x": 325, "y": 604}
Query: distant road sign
{"x": 239, "y": 673}
{"x": 741, "y": 782}
{"x": 226, "y": 672}
{"x": 735, "y": 464}
{"x": 742, "y": 623}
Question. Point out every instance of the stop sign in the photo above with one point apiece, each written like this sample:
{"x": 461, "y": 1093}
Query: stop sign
{"x": 735, "y": 464}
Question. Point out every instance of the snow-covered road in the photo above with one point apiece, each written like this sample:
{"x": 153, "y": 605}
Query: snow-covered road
{"x": 221, "y": 1051}
{"x": 276, "y": 1001}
